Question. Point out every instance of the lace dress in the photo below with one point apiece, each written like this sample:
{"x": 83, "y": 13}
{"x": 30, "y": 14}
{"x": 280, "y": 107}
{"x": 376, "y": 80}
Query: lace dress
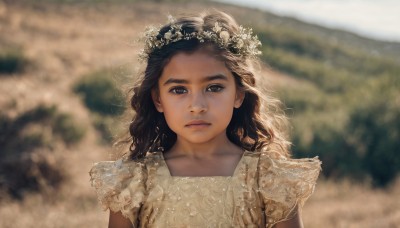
{"x": 262, "y": 191}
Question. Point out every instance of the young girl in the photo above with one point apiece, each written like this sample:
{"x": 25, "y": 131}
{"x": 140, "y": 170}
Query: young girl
{"x": 205, "y": 152}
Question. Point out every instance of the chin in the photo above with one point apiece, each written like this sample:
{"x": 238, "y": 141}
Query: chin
{"x": 198, "y": 140}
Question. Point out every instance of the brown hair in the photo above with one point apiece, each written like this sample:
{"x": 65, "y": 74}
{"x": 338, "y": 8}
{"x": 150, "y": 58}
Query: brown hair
{"x": 259, "y": 124}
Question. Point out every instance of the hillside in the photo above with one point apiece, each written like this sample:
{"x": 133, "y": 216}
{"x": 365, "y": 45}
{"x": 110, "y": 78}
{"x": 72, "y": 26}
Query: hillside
{"x": 62, "y": 43}
{"x": 350, "y": 40}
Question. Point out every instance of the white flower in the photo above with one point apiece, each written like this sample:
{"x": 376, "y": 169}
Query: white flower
{"x": 217, "y": 28}
{"x": 207, "y": 34}
{"x": 239, "y": 44}
{"x": 158, "y": 43}
{"x": 168, "y": 35}
{"x": 178, "y": 35}
{"x": 224, "y": 35}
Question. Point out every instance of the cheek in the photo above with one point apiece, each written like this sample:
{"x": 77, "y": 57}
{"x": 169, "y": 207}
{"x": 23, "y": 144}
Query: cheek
{"x": 171, "y": 103}
{"x": 226, "y": 100}
{"x": 223, "y": 108}
{"x": 172, "y": 109}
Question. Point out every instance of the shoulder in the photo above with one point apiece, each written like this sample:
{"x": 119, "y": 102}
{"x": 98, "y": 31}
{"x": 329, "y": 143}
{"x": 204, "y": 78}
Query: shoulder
{"x": 123, "y": 168}
{"x": 286, "y": 183}
{"x": 272, "y": 162}
{"x": 115, "y": 172}
{"x": 122, "y": 164}
{"x": 289, "y": 172}
{"x": 120, "y": 185}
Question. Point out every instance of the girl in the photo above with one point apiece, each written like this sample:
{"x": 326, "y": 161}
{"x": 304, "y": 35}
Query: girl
{"x": 204, "y": 150}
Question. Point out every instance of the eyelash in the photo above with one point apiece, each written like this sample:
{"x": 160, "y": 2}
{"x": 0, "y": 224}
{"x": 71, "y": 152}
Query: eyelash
{"x": 175, "y": 89}
{"x": 214, "y": 88}
{"x": 219, "y": 88}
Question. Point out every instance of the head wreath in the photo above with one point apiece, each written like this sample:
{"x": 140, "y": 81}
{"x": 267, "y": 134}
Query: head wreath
{"x": 242, "y": 43}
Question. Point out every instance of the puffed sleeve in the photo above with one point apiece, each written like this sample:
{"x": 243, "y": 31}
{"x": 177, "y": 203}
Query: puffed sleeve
{"x": 285, "y": 184}
{"x": 120, "y": 186}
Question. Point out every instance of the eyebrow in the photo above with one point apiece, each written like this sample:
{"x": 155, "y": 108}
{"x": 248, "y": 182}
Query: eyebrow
{"x": 206, "y": 79}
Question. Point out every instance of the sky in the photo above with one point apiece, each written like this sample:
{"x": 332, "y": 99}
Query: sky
{"x": 377, "y": 19}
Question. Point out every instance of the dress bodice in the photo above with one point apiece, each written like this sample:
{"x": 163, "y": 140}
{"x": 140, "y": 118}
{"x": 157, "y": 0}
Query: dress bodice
{"x": 262, "y": 191}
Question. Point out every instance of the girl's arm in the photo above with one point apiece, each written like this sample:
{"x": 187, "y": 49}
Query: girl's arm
{"x": 294, "y": 222}
{"x": 117, "y": 220}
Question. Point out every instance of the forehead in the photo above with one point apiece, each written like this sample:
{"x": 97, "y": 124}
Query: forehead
{"x": 194, "y": 67}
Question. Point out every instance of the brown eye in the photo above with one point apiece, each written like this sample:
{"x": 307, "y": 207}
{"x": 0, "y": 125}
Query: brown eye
{"x": 178, "y": 90}
{"x": 214, "y": 88}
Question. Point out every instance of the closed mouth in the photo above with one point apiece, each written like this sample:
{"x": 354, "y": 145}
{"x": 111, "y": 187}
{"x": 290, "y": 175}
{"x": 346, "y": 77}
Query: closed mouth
{"x": 197, "y": 123}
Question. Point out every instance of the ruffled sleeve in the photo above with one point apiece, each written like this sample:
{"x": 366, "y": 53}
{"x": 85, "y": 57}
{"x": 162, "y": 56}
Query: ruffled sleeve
{"x": 120, "y": 186}
{"x": 285, "y": 184}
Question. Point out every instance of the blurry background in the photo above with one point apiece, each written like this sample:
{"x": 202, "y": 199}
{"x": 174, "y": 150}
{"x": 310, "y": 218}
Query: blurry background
{"x": 65, "y": 66}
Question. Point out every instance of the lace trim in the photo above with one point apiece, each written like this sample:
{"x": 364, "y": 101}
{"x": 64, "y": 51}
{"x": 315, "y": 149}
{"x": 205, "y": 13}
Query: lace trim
{"x": 285, "y": 184}
{"x": 120, "y": 186}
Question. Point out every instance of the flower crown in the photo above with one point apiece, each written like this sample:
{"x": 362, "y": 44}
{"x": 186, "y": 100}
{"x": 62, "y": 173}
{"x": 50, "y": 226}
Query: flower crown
{"x": 243, "y": 43}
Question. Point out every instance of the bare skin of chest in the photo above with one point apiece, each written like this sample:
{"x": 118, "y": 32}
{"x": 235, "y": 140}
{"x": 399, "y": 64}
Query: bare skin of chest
{"x": 217, "y": 165}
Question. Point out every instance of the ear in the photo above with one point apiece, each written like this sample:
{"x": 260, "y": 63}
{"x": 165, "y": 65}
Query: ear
{"x": 239, "y": 97}
{"x": 156, "y": 100}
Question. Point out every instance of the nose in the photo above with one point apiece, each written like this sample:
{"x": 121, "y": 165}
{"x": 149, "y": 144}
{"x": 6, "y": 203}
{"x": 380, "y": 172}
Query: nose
{"x": 198, "y": 103}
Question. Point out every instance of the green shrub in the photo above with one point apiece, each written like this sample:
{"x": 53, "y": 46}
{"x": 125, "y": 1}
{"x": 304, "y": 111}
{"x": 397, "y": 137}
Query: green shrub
{"x": 338, "y": 158}
{"x": 12, "y": 61}
{"x": 375, "y": 133}
{"x": 358, "y": 142}
{"x": 100, "y": 94}
{"x": 108, "y": 127}
{"x": 37, "y": 172}
{"x": 65, "y": 126}
{"x": 25, "y": 162}
{"x": 12, "y": 139}
{"x": 104, "y": 126}
{"x": 15, "y": 136}
{"x": 325, "y": 76}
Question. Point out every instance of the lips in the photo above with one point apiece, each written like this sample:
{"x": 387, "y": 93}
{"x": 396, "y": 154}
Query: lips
{"x": 197, "y": 123}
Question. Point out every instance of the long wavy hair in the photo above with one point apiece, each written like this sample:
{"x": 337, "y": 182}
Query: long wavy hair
{"x": 258, "y": 125}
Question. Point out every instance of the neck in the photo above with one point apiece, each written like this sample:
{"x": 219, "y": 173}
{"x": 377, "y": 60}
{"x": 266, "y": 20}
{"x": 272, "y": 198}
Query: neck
{"x": 219, "y": 145}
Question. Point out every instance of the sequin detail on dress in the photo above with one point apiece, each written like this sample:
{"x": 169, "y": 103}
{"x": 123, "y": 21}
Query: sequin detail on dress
{"x": 263, "y": 191}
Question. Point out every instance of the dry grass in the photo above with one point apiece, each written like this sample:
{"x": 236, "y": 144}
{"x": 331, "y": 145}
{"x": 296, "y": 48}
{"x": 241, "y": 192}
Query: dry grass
{"x": 348, "y": 205}
{"x": 66, "y": 41}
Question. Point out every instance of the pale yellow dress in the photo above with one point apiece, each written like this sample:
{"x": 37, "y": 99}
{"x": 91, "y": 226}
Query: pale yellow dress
{"x": 263, "y": 190}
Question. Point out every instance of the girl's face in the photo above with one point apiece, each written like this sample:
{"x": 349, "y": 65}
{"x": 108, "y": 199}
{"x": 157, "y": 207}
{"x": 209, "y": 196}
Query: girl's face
{"x": 197, "y": 94}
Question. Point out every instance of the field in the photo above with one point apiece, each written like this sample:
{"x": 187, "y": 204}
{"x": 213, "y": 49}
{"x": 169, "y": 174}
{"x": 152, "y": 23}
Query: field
{"x": 65, "y": 42}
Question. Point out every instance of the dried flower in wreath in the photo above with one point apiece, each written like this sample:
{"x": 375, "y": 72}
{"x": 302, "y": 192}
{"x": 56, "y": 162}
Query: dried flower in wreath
{"x": 242, "y": 43}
